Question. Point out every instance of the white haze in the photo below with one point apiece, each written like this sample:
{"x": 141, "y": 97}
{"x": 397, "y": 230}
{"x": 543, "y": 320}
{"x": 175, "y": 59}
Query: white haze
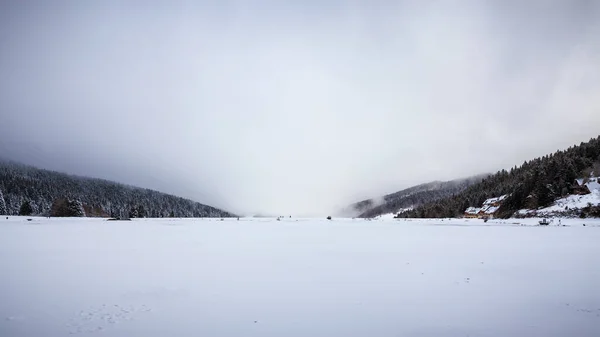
{"x": 294, "y": 108}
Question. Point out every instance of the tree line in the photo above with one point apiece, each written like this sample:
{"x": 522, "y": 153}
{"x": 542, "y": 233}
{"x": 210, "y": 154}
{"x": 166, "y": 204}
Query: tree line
{"x": 535, "y": 184}
{"x": 414, "y": 196}
{"x": 27, "y": 190}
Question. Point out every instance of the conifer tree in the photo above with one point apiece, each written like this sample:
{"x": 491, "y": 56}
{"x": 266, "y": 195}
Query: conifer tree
{"x": 2, "y": 204}
{"x": 25, "y": 208}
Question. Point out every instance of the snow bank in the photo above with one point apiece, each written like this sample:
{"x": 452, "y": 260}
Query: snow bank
{"x": 387, "y": 216}
{"x": 298, "y": 277}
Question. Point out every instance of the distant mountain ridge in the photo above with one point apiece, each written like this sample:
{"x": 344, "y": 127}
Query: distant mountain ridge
{"x": 27, "y": 189}
{"x": 411, "y": 197}
{"x": 534, "y": 185}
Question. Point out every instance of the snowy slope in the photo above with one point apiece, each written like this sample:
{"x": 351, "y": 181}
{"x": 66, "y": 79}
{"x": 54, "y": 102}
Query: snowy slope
{"x": 42, "y": 188}
{"x": 564, "y": 205}
{"x": 409, "y": 198}
{"x": 298, "y": 277}
{"x": 573, "y": 201}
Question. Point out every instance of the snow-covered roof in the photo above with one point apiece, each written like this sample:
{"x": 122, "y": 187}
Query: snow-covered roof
{"x": 579, "y": 181}
{"x": 593, "y": 184}
{"x": 495, "y": 200}
{"x": 491, "y": 210}
{"x": 472, "y": 210}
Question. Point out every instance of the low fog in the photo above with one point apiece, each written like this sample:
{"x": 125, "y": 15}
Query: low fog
{"x": 294, "y": 108}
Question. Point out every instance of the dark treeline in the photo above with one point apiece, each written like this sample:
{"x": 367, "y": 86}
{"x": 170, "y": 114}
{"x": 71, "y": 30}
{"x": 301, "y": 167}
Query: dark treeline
{"x": 28, "y": 190}
{"x": 414, "y": 196}
{"x": 536, "y": 183}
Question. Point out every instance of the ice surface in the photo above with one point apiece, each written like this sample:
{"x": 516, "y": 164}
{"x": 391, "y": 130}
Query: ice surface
{"x": 298, "y": 277}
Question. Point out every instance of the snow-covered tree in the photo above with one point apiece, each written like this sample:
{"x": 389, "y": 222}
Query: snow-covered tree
{"x": 26, "y": 208}
{"x": 43, "y": 189}
{"x": 67, "y": 208}
{"x": 76, "y": 208}
{"x": 596, "y": 168}
{"x": 133, "y": 213}
{"x": 536, "y": 183}
{"x": 2, "y": 204}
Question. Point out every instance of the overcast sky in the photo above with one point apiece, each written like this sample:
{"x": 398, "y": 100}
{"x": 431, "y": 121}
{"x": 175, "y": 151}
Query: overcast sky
{"x": 299, "y": 107}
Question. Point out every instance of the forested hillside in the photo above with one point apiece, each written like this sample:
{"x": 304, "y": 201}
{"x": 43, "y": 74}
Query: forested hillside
{"x": 412, "y": 197}
{"x": 32, "y": 191}
{"x": 534, "y": 184}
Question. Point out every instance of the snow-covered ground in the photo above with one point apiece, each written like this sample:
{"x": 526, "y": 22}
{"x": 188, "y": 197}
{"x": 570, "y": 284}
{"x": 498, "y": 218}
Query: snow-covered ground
{"x": 298, "y": 277}
{"x": 570, "y": 205}
{"x": 572, "y": 202}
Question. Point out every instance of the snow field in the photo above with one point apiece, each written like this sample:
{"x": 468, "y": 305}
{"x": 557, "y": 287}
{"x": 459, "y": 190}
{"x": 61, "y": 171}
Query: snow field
{"x": 298, "y": 277}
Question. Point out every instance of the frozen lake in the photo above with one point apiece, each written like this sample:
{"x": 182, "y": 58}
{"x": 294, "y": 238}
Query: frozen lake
{"x": 261, "y": 277}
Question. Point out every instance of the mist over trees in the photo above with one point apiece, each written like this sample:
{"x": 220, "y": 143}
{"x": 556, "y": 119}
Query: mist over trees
{"x": 534, "y": 184}
{"x": 413, "y": 196}
{"x": 28, "y": 190}
{"x": 537, "y": 183}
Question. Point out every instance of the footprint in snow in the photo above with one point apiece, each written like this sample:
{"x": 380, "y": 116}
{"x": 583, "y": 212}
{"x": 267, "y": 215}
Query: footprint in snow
{"x": 97, "y": 319}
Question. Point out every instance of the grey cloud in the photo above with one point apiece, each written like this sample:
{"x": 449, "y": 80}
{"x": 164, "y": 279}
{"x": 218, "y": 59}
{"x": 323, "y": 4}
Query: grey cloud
{"x": 295, "y": 108}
